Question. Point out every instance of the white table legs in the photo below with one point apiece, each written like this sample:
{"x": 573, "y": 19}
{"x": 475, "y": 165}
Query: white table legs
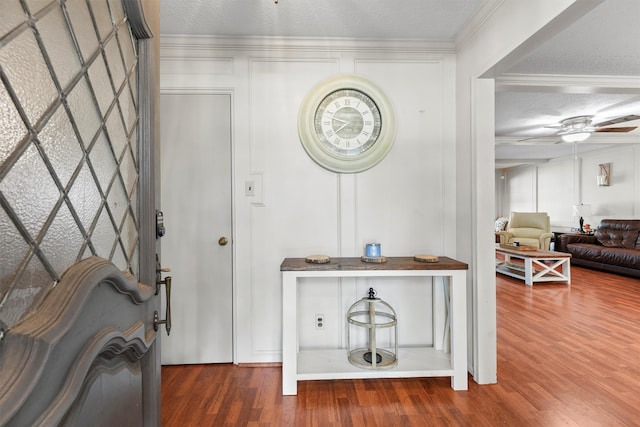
{"x": 289, "y": 334}
{"x": 449, "y": 323}
{"x": 458, "y": 319}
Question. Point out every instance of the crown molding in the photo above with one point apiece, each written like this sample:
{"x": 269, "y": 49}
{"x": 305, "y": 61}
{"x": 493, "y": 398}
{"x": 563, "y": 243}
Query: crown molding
{"x": 477, "y": 21}
{"x": 183, "y": 46}
{"x": 577, "y": 84}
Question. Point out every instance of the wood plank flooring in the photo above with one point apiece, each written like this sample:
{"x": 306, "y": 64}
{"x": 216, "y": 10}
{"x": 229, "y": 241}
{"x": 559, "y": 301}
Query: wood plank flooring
{"x": 568, "y": 355}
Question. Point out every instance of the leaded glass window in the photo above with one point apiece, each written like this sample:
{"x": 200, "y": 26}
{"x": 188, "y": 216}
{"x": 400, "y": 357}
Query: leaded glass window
{"x": 68, "y": 144}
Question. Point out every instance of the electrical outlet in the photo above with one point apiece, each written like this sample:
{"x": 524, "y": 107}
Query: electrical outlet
{"x": 319, "y": 321}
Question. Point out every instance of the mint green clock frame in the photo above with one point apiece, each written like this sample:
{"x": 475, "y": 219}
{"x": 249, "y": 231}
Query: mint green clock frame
{"x": 345, "y": 162}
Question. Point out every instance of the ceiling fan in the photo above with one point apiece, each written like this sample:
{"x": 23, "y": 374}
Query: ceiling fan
{"x": 579, "y": 128}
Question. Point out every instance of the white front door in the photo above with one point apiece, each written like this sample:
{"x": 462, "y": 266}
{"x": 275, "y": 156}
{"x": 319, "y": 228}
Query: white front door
{"x": 196, "y": 200}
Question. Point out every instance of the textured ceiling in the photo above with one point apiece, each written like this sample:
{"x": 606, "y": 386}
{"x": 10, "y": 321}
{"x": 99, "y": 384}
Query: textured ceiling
{"x": 598, "y": 57}
{"x": 525, "y": 114}
{"x": 605, "y": 42}
{"x": 436, "y": 20}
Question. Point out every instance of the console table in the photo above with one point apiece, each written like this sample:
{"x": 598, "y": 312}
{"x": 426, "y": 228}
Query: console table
{"x": 450, "y": 318}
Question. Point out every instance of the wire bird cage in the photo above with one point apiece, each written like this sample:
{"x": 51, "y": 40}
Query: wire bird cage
{"x": 367, "y": 348}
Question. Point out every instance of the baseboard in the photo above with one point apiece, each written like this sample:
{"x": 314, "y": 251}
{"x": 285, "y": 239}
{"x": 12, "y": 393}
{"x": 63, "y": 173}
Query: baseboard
{"x": 260, "y": 365}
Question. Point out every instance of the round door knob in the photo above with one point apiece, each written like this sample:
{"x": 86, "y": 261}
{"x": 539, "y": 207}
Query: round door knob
{"x": 223, "y": 241}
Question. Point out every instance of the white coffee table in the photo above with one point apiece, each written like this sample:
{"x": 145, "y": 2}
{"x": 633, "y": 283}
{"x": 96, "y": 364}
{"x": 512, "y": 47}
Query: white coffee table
{"x": 534, "y": 266}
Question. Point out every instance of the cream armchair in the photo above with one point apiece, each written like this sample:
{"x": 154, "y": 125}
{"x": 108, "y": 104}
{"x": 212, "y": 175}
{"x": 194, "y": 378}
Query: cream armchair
{"x": 528, "y": 228}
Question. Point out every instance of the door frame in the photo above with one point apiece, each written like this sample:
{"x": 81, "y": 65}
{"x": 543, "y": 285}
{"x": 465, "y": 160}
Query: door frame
{"x": 234, "y": 299}
{"x": 144, "y": 18}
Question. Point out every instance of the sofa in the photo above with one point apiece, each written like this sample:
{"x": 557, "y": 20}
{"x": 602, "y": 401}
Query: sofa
{"x": 614, "y": 247}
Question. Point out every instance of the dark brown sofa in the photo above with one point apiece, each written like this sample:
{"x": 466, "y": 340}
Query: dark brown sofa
{"x": 614, "y": 247}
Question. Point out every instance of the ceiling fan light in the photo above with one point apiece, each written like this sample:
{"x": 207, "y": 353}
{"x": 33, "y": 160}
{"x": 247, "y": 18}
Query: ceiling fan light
{"x": 576, "y": 137}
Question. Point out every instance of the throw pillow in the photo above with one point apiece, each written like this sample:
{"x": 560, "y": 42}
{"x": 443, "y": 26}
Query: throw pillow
{"x": 501, "y": 223}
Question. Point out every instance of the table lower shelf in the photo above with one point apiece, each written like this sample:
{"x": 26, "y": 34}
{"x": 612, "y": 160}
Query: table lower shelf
{"x": 535, "y": 274}
{"x": 412, "y": 362}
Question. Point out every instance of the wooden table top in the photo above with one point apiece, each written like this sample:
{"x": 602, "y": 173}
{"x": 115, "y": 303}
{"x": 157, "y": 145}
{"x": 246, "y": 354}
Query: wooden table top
{"x": 355, "y": 263}
{"x": 538, "y": 253}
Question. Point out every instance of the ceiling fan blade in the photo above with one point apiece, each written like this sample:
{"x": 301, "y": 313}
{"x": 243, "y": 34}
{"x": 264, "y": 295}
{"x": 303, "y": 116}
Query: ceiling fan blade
{"x": 622, "y": 119}
{"x": 530, "y": 138}
{"x": 620, "y": 129}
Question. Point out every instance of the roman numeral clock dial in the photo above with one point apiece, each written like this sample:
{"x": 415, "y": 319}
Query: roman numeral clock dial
{"x": 346, "y": 124}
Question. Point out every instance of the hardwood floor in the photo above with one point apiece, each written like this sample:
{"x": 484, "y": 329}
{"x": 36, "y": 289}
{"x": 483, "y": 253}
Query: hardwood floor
{"x": 567, "y": 355}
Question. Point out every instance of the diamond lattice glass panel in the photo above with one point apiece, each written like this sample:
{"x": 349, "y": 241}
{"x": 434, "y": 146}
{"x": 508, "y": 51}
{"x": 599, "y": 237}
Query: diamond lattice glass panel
{"x": 34, "y": 88}
{"x": 114, "y": 61}
{"x": 60, "y": 145}
{"x": 119, "y": 259}
{"x": 13, "y": 249}
{"x": 13, "y": 128}
{"x": 85, "y": 198}
{"x": 100, "y": 83}
{"x": 133, "y": 200}
{"x": 104, "y": 235}
{"x": 128, "y": 172}
{"x": 84, "y": 111}
{"x": 32, "y": 286}
{"x": 127, "y": 47}
{"x": 116, "y": 133}
{"x": 117, "y": 13}
{"x": 129, "y": 235}
{"x": 117, "y": 201}
{"x": 59, "y": 45}
{"x": 133, "y": 82}
{"x": 63, "y": 241}
{"x": 134, "y": 145}
{"x": 65, "y": 29}
{"x": 135, "y": 266}
{"x": 103, "y": 162}
{"x": 82, "y": 25}
{"x": 103, "y": 18}
{"x": 12, "y": 15}
{"x": 30, "y": 190}
{"x": 87, "y": 252}
{"x": 128, "y": 110}
{"x": 36, "y": 6}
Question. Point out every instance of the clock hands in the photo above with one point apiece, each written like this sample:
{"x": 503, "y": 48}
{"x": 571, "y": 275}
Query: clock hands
{"x": 342, "y": 127}
{"x": 345, "y": 123}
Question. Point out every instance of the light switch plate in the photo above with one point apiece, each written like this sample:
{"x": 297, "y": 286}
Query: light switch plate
{"x": 254, "y": 188}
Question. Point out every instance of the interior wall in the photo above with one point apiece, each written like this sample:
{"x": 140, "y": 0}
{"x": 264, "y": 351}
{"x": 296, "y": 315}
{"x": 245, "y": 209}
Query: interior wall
{"x": 563, "y": 182}
{"x": 405, "y": 203}
{"x": 514, "y": 29}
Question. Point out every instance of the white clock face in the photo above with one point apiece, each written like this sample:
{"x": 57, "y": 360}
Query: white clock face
{"x": 347, "y": 122}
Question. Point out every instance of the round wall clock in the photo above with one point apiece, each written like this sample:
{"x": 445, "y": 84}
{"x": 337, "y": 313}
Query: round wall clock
{"x": 346, "y": 124}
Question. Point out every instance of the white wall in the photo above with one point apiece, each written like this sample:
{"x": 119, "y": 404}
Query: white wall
{"x": 561, "y": 183}
{"x": 486, "y": 49}
{"x": 406, "y": 202}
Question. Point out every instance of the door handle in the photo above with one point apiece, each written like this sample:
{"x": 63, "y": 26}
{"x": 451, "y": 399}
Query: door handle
{"x": 156, "y": 318}
{"x": 223, "y": 241}
{"x": 167, "y": 287}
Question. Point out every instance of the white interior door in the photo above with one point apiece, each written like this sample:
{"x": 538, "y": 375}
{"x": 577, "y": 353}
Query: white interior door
{"x": 196, "y": 201}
